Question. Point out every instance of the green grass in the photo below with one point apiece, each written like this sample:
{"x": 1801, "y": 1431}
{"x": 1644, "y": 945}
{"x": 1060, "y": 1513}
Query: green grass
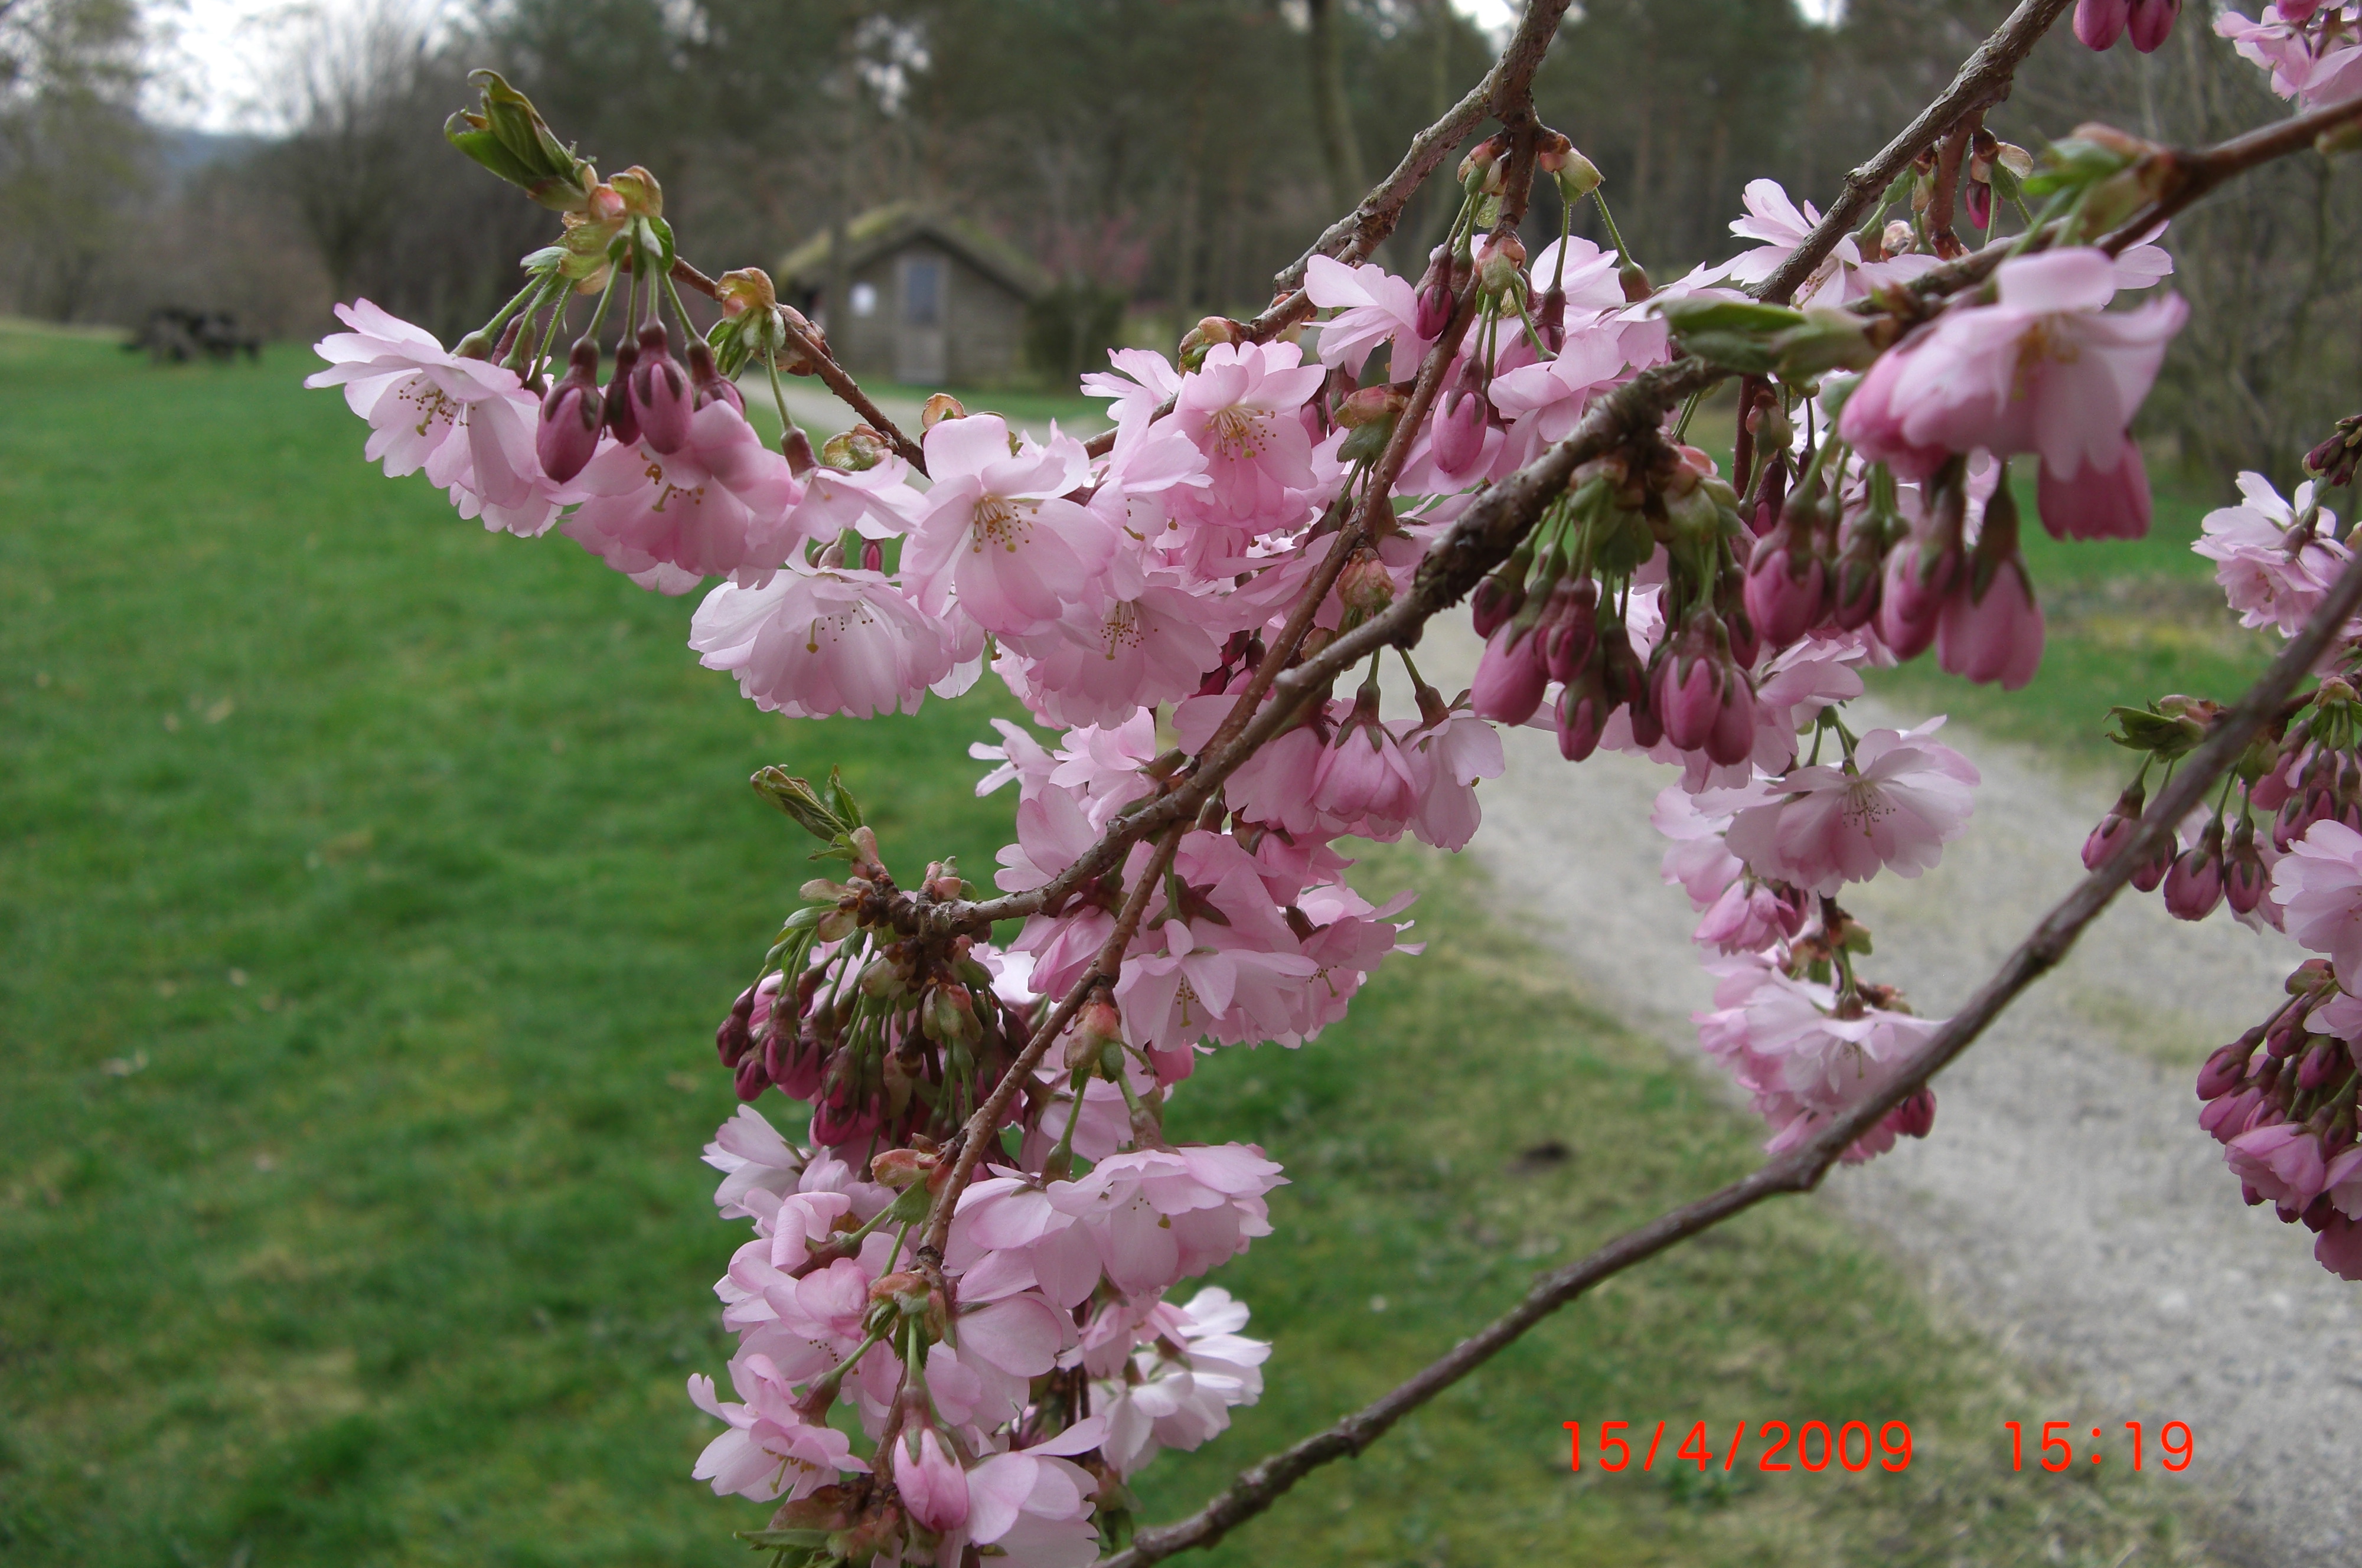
{"x": 371, "y": 888}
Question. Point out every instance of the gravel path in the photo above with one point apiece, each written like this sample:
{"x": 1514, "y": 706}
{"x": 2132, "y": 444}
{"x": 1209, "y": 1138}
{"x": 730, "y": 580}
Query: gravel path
{"x": 2067, "y": 1205}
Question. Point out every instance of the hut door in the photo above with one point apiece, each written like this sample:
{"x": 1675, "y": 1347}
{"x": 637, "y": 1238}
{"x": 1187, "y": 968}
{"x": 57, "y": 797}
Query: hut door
{"x": 918, "y": 357}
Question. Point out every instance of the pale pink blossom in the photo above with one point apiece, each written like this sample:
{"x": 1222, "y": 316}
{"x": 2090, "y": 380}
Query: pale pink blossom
{"x": 751, "y": 1155}
{"x": 771, "y": 1450}
{"x": 2314, "y": 52}
{"x": 2047, "y": 370}
{"x": 1239, "y": 409}
{"x": 1448, "y": 759}
{"x": 2273, "y": 574}
{"x": 1149, "y": 642}
{"x": 2319, "y": 889}
{"x": 1892, "y": 805}
{"x": 1158, "y": 1216}
{"x": 1191, "y": 1369}
{"x": 815, "y": 641}
{"x": 1373, "y": 306}
{"x": 1034, "y": 1506}
{"x": 932, "y": 1485}
{"x": 716, "y": 507}
{"x": 2283, "y": 1162}
{"x": 998, "y": 532}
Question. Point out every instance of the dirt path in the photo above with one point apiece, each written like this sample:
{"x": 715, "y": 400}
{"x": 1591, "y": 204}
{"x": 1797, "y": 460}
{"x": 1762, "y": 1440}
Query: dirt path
{"x": 2067, "y": 1204}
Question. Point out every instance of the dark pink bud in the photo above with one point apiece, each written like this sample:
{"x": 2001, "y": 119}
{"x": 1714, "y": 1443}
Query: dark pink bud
{"x": 2287, "y": 1033}
{"x": 1785, "y": 583}
{"x": 1550, "y": 318}
{"x": 2153, "y": 867}
{"x": 621, "y": 421}
{"x": 2226, "y": 1069}
{"x": 1911, "y": 600}
{"x": 2097, "y": 503}
{"x": 1732, "y": 739}
{"x": 1980, "y": 204}
{"x": 733, "y": 1040}
{"x": 660, "y": 394}
{"x": 1434, "y": 312}
{"x": 2099, "y": 23}
{"x": 1569, "y": 626}
{"x": 2115, "y": 829}
{"x": 2194, "y": 886}
{"x": 1685, "y": 688}
{"x": 571, "y": 416}
{"x": 2326, "y": 1057}
{"x": 1459, "y": 435}
{"x": 1498, "y": 598}
{"x": 1510, "y": 680}
{"x": 751, "y": 1080}
{"x": 1916, "y": 1117}
{"x": 1582, "y": 712}
{"x": 2150, "y": 23}
{"x": 2244, "y": 877}
{"x": 710, "y": 385}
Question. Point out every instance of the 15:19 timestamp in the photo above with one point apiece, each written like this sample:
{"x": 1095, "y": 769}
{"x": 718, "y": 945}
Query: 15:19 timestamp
{"x": 2056, "y": 1449}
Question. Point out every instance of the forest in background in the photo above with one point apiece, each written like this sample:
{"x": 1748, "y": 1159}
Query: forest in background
{"x": 1160, "y": 156}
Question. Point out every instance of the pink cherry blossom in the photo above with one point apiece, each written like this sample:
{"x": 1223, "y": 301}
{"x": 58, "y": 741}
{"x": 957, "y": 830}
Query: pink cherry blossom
{"x": 815, "y": 641}
{"x": 997, "y": 531}
{"x": 2273, "y": 575}
{"x": 1239, "y": 407}
{"x": 1373, "y": 306}
{"x": 932, "y": 1485}
{"x": 2319, "y": 889}
{"x": 1894, "y": 804}
{"x": 2047, "y": 370}
{"x": 2314, "y": 52}
{"x": 1034, "y": 1506}
{"x": 715, "y": 507}
{"x": 1179, "y": 1400}
{"x": 771, "y": 1450}
{"x": 751, "y": 1155}
{"x": 1161, "y": 1215}
{"x": 2283, "y": 1162}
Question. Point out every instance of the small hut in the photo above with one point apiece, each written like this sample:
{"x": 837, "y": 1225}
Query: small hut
{"x": 930, "y": 300}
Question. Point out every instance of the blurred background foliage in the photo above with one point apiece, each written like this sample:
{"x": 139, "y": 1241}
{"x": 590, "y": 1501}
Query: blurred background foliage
{"x": 1160, "y": 159}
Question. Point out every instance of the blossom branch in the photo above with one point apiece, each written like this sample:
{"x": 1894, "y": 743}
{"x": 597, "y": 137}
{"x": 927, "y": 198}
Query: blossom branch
{"x": 1983, "y": 80}
{"x": 815, "y": 349}
{"x": 2186, "y": 176}
{"x": 1803, "y": 1169}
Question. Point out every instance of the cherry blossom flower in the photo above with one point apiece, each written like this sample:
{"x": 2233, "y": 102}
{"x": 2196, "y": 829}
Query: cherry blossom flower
{"x": 1158, "y": 1216}
{"x": 2319, "y": 889}
{"x": 2273, "y": 574}
{"x": 715, "y": 507}
{"x": 2047, "y": 370}
{"x": 770, "y": 1450}
{"x": 1373, "y": 306}
{"x": 751, "y": 1157}
{"x": 469, "y": 423}
{"x": 1239, "y": 409}
{"x": 932, "y": 1485}
{"x": 1193, "y": 1367}
{"x": 1033, "y": 1505}
{"x": 815, "y": 641}
{"x": 1894, "y": 804}
{"x": 997, "y": 531}
{"x": 2314, "y": 52}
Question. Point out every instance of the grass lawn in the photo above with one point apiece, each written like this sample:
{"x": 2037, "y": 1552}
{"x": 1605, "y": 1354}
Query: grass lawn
{"x": 371, "y": 887}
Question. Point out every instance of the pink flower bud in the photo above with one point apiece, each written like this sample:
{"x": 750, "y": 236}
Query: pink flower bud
{"x": 1498, "y": 598}
{"x": 1911, "y": 599}
{"x": 2245, "y": 877}
{"x": 2150, "y": 23}
{"x": 621, "y": 420}
{"x": 1685, "y": 688}
{"x": 571, "y": 416}
{"x": 933, "y": 1487}
{"x": 1732, "y": 739}
{"x": 1500, "y": 258}
{"x": 710, "y": 385}
{"x": 1785, "y": 586}
{"x": 1979, "y": 200}
{"x": 2097, "y": 503}
{"x": 660, "y": 394}
{"x": 1583, "y": 710}
{"x": 1511, "y": 679}
{"x": 2226, "y": 1069}
{"x": 1550, "y": 318}
{"x": 1916, "y": 1117}
{"x": 751, "y": 1080}
{"x": 2099, "y": 23}
{"x": 734, "y": 1039}
{"x": 2153, "y": 867}
{"x": 1996, "y": 638}
{"x": 1434, "y": 312}
{"x": 2115, "y": 829}
{"x": 1459, "y": 435}
{"x": 2194, "y": 886}
{"x": 2326, "y": 1057}
{"x": 1569, "y": 626}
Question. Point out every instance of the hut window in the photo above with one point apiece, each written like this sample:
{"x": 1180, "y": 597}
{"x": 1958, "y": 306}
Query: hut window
{"x": 862, "y": 297}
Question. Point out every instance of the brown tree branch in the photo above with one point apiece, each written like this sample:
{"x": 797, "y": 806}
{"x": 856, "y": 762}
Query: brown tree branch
{"x": 1802, "y": 1169}
{"x": 2187, "y": 176}
{"x": 833, "y": 375}
{"x": 1983, "y": 80}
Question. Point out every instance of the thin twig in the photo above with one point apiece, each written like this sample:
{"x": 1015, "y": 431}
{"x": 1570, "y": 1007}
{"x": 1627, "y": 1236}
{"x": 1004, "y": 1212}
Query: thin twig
{"x": 1802, "y": 1169}
{"x": 824, "y": 362}
{"x": 2191, "y": 175}
{"x": 1983, "y": 80}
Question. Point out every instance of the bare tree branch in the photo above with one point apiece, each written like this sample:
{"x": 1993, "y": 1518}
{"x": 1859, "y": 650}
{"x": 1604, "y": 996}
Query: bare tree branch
{"x": 1983, "y": 80}
{"x": 1802, "y": 1169}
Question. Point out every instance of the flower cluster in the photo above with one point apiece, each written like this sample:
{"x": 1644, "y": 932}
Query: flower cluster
{"x": 2313, "y": 51}
{"x": 973, "y": 1244}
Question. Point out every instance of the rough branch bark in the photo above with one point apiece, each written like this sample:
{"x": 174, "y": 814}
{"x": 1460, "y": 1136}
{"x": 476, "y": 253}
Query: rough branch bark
{"x": 1983, "y": 80}
{"x": 1801, "y": 1170}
